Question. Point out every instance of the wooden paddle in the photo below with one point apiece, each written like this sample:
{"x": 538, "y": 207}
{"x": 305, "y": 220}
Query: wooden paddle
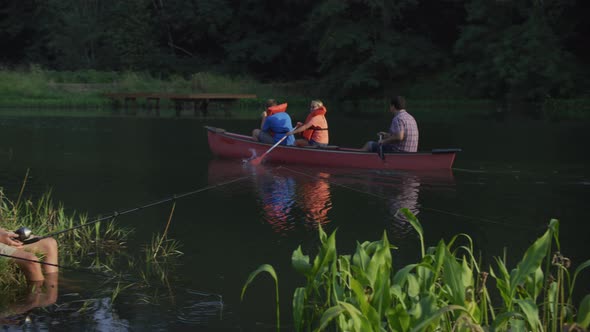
{"x": 256, "y": 161}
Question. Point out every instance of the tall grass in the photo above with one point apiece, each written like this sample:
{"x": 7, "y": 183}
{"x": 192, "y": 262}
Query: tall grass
{"x": 447, "y": 290}
{"x": 98, "y": 248}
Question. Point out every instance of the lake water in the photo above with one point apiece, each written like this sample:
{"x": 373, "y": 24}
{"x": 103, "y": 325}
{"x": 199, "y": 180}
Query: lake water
{"x": 510, "y": 180}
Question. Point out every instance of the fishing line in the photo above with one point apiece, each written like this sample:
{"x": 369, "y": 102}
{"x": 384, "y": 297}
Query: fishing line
{"x": 485, "y": 220}
{"x": 135, "y": 209}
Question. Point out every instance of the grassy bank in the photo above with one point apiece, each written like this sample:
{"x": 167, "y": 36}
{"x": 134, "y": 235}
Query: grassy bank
{"x": 448, "y": 289}
{"x": 36, "y": 88}
{"x": 99, "y": 249}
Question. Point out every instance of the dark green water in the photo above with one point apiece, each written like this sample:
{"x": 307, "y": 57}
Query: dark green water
{"x": 510, "y": 180}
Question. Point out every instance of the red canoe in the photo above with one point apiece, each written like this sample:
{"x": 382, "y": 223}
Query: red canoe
{"x": 229, "y": 145}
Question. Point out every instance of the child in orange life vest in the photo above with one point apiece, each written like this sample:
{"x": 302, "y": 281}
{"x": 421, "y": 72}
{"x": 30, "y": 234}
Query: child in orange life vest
{"x": 315, "y": 128}
{"x": 275, "y": 124}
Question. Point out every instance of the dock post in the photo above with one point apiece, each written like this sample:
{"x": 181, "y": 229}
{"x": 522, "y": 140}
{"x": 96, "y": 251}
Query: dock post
{"x": 204, "y": 105}
{"x": 127, "y": 101}
{"x": 177, "y": 107}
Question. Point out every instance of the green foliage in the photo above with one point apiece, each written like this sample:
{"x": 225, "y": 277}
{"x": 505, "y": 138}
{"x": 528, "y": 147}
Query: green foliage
{"x": 446, "y": 290}
{"x": 103, "y": 241}
{"x": 364, "y": 46}
{"x": 350, "y": 49}
{"x": 270, "y": 270}
{"x": 510, "y": 51}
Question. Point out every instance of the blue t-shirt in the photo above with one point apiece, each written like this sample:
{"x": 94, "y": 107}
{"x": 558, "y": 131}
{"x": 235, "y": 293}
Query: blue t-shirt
{"x": 279, "y": 124}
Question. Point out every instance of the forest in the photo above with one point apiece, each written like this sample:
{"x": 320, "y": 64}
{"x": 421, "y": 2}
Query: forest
{"x": 525, "y": 50}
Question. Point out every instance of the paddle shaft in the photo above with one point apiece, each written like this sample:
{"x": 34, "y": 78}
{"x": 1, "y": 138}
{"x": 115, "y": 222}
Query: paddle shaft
{"x": 274, "y": 146}
{"x": 258, "y": 160}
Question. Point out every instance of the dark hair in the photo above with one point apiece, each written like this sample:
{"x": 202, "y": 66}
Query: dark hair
{"x": 271, "y": 102}
{"x": 398, "y": 102}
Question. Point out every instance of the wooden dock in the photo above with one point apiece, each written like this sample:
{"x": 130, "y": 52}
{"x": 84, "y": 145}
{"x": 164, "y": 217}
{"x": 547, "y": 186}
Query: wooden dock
{"x": 200, "y": 101}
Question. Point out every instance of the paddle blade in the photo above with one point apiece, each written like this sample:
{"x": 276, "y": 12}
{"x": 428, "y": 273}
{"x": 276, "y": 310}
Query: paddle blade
{"x": 256, "y": 161}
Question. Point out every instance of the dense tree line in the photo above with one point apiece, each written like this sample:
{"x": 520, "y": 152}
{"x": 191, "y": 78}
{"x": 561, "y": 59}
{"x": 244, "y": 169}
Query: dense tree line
{"x": 524, "y": 49}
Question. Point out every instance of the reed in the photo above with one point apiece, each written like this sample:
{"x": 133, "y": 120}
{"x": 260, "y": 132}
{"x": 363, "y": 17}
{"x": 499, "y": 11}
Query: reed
{"x": 446, "y": 290}
{"x": 103, "y": 242}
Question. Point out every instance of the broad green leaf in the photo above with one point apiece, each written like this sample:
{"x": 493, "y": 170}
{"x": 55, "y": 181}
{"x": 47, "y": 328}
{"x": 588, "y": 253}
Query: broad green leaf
{"x": 452, "y": 277}
{"x": 359, "y": 322}
{"x": 360, "y": 295}
{"x": 270, "y": 270}
{"x": 360, "y": 257}
{"x": 425, "y": 307}
{"x": 517, "y": 325}
{"x": 466, "y": 274}
{"x": 502, "y": 320}
{"x": 300, "y": 262}
{"x": 551, "y": 300}
{"x": 382, "y": 298}
{"x": 532, "y": 260}
{"x": 579, "y": 269}
{"x": 398, "y": 319}
{"x": 381, "y": 260}
{"x": 330, "y": 314}
{"x": 326, "y": 255}
{"x": 298, "y": 308}
{"x": 502, "y": 282}
{"x": 531, "y": 312}
{"x": 583, "y": 318}
{"x": 397, "y": 293}
{"x": 262, "y": 268}
{"x": 439, "y": 257}
{"x": 428, "y": 319}
{"x": 417, "y": 226}
{"x": 425, "y": 276}
{"x": 402, "y": 275}
{"x": 413, "y": 286}
{"x": 366, "y": 309}
{"x": 534, "y": 283}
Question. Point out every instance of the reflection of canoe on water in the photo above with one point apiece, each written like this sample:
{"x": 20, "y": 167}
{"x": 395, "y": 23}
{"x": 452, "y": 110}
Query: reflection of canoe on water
{"x": 230, "y": 145}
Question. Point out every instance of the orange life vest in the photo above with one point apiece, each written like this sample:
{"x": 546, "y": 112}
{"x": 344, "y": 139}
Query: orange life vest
{"x": 276, "y": 109}
{"x": 308, "y": 133}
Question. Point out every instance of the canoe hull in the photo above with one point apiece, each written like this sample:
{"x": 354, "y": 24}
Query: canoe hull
{"x": 229, "y": 145}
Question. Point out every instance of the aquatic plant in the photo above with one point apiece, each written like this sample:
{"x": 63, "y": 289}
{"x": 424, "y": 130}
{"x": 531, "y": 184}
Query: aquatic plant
{"x": 88, "y": 248}
{"x": 447, "y": 290}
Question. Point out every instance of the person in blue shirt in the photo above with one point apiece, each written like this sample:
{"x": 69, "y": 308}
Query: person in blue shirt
{"x": 274, "y": 125}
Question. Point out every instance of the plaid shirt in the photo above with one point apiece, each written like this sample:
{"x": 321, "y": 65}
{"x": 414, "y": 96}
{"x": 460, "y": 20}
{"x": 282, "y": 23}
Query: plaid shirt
{"x": 404, "y": 122}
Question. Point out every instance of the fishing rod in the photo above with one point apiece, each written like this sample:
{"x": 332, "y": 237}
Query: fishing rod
{"x": 24, "y": 233}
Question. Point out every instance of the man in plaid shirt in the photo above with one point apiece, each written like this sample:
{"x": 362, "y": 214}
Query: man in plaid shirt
{"x": 403, "y": 132}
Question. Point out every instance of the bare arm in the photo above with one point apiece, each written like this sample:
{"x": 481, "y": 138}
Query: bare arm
{"x": 8, "y": 238}
{"x": 263, "y": 115}
{"x": 299, "y": 129}
{"x": 390, "y": 138}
